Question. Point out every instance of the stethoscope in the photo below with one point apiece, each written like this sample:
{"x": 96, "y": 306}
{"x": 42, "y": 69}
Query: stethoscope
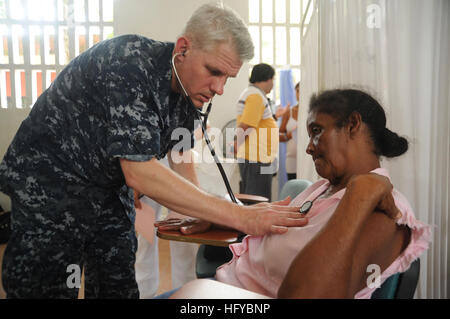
{"x": 306, "y": 206}
{"x": 203, "y": 122}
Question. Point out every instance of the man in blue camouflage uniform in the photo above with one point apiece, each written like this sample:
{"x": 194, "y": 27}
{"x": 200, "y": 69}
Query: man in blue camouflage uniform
{"x": 92, "y": 141}
{"x": 69, "y": 165}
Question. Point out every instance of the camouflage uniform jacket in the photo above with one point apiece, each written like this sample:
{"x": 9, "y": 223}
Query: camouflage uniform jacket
{"x": 113, "y": 101}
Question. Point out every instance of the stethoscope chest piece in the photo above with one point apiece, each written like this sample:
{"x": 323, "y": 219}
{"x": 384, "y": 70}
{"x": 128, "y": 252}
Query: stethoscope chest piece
{"x": 306, "y": 207}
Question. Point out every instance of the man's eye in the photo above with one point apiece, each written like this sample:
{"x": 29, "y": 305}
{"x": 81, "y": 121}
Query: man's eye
{"x": 214, "y": 72}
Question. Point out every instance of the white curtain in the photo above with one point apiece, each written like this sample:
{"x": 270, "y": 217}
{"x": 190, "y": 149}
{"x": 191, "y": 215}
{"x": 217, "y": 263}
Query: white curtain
{"x": 308, "y": 85}
{"x": 399, "y": 52}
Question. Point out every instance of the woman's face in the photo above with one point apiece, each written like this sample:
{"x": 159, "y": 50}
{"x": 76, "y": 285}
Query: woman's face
{"x": 327, "y": 146}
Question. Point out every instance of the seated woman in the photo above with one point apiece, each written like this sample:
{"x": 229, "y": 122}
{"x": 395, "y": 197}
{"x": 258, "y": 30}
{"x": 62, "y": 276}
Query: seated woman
{"x": 356, "y": 218}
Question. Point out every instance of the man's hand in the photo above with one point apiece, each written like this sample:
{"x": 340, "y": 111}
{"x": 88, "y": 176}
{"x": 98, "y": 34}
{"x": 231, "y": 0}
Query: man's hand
{"x": 274, "y": 218}
{"x": 186, "y": 226}
{"x": 282, "y": 202}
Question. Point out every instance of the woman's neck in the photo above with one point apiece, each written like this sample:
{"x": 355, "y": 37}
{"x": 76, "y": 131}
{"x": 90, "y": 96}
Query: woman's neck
{"x": 365, "y": 166}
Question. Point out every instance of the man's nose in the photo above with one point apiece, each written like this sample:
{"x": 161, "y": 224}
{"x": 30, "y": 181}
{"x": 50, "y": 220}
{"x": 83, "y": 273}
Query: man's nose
{"x": 218, "y": 85}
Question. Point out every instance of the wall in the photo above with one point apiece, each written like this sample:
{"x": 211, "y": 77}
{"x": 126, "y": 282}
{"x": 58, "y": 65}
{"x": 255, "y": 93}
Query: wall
{"x": 160, "y": 20}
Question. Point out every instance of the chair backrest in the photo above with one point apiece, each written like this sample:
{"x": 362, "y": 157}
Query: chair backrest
{"x": 400, "y": 285}
{"x": 407, "y": 281}
{"x": 294, "y": 187}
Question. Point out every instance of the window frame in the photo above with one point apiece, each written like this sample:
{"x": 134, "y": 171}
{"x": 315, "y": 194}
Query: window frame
{"x": 9, "y": 91}
{"x": 288, "y": 25}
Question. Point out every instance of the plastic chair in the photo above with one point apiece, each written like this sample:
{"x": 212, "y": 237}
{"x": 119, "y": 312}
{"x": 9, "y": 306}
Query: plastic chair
{"x": 294, "y": 187}
{"x": 400, "y": 285}
{"x": 209, "y": 258}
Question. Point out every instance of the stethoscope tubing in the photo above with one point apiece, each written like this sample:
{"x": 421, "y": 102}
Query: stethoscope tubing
{"x": 203, "y": 122}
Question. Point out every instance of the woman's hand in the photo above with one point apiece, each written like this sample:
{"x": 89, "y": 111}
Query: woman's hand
{"x": 281, "y": 110}
{"x": 186, "y": 226}
{"x": 377, "y": 188}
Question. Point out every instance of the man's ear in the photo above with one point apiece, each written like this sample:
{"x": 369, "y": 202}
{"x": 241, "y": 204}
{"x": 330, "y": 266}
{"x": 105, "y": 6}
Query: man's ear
{"x": 354, "y": 123}
{"x": 182, "y": 45}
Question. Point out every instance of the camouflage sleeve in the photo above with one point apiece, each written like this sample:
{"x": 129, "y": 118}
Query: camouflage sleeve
{"x": 134, "y": 130}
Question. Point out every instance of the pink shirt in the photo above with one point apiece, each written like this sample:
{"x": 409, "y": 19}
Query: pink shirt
{"x": 260, "y": 263}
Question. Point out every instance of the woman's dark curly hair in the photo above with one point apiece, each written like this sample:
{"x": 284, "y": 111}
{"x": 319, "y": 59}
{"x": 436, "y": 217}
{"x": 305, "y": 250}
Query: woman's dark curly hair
{"x": 341, "y": 103}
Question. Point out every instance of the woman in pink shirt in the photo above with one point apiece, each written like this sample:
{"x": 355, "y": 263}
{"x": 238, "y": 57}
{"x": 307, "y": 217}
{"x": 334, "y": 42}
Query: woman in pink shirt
{"x": 357, "y": 222}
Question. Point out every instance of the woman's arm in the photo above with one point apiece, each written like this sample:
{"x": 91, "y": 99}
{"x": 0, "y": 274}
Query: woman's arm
{"x": 334, "y": 263}
{"x": 284, "y": 135}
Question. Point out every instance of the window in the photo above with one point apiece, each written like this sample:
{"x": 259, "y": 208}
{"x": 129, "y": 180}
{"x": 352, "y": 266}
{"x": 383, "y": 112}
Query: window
{"x": 275, "y": 27}
{"x": 38, "y": 38}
